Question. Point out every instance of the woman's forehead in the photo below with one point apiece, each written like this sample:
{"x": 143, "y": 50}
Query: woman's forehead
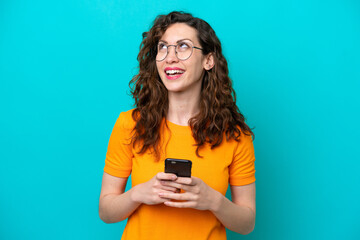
{"x": 179, "y": 31}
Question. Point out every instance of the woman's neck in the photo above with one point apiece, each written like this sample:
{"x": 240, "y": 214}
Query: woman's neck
{"x": 182, "y": 107}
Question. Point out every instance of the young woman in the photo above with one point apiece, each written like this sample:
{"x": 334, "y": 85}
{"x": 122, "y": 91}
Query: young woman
{"x": 186, "y": 109}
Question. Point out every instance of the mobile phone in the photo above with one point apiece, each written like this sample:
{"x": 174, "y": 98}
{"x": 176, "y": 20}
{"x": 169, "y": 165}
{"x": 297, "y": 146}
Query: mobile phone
{"x": 180, "y": 167}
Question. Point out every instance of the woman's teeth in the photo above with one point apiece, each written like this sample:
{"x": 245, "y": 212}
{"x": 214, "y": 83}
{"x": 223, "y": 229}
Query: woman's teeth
{"x": 173, "y": 72}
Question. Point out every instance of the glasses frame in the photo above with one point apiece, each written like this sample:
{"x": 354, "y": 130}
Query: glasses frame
{"x": 176, "y": 53}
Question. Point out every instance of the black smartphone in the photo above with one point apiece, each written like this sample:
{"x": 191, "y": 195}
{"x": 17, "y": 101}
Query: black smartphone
{"x": 180, "y": 167}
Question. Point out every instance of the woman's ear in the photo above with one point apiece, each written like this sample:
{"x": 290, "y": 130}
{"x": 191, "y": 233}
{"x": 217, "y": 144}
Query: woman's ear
{"x": 209, "y": 62}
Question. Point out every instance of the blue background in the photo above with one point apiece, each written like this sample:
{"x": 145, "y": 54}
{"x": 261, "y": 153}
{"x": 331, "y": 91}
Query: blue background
{"x": 64, "y": 73}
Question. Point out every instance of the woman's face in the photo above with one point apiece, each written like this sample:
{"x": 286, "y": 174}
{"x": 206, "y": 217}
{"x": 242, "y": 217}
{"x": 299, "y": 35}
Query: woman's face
{"x": 181, "y": 75}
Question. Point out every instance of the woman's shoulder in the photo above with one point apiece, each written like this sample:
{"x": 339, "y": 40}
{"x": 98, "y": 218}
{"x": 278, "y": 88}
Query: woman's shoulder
{"x": 126, "y": 119}
{"x": 127, "y": 114}
{"x": 244, "y": 139}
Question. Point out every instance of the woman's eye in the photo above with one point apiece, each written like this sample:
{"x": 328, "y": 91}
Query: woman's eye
{"x": 162, "y": 46}
{"x": 183, "y": 45}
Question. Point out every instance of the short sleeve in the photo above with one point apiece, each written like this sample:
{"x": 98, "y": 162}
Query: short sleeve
{"x": 242, "y": 168}
{"x": 119, "y": 154}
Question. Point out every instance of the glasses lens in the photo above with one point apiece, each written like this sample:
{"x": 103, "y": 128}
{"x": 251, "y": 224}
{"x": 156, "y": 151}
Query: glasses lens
{"x": 184, "y": 50}
{"x": 161, "y": 52}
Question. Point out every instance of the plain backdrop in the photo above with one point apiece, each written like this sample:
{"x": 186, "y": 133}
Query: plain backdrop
{"x": 64, "y": 73}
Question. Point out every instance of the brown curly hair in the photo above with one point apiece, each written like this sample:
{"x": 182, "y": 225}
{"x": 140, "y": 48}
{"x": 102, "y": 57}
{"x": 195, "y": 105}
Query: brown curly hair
{"x": 218, "y": 117}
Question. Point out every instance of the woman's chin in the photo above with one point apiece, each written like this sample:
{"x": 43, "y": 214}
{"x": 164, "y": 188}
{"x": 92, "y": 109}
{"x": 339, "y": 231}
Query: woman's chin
{"x": 174, "y": 87}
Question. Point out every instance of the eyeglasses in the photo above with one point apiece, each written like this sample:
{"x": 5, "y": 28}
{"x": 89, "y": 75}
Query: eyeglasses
{"x": 183, "y": 50}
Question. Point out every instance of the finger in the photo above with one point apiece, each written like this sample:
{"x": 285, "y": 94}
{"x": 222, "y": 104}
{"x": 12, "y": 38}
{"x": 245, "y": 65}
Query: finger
{"x": 177, "y": 196}
{"x": 166, "y": 176}
{"x": 171, "y": 184}
{"x": 164, "y": 196}
{"x": 188, "y": 204}
{"x": 168, "y": 188}
{"x": 177, "y": 185}
{"x": 187, "y": 181}
{"x": 159, "y": 200}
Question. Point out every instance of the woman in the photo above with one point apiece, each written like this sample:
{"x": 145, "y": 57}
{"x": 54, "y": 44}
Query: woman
{"x": 185, "y": 108}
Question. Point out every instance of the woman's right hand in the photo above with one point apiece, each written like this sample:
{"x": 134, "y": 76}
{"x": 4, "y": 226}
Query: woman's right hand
{"x": 148, "y": 192}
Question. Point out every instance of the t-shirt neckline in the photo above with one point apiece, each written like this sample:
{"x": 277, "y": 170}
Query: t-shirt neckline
{"x": 174, "y": 125}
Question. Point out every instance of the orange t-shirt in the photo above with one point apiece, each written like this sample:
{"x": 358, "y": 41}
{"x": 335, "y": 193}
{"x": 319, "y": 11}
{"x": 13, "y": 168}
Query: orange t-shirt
{"x": 231, "y": 162}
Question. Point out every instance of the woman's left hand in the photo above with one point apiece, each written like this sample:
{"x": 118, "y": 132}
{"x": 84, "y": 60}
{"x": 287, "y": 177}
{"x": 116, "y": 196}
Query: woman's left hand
{"x": 197, "y": 194}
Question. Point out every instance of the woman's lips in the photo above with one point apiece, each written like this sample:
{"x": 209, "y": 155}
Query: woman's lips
{"x": 173, "y": 73}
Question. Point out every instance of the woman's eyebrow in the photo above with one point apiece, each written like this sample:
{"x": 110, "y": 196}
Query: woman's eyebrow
{"x": 180, "y": 40}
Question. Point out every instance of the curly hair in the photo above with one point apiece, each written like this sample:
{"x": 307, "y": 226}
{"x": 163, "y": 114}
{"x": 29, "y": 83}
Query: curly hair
{"x": 218, "y": 117}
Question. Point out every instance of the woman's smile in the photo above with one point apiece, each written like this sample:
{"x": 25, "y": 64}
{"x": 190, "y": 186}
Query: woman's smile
{"x": 173, "y": 73}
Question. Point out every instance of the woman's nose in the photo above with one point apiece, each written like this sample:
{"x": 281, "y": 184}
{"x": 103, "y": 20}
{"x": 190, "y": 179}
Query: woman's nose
{"x": 171, "y": 56}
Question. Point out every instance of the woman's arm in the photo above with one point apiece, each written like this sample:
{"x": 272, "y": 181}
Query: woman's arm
{"x": 237, "y": 215}
{"x": 116, "y": 205}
